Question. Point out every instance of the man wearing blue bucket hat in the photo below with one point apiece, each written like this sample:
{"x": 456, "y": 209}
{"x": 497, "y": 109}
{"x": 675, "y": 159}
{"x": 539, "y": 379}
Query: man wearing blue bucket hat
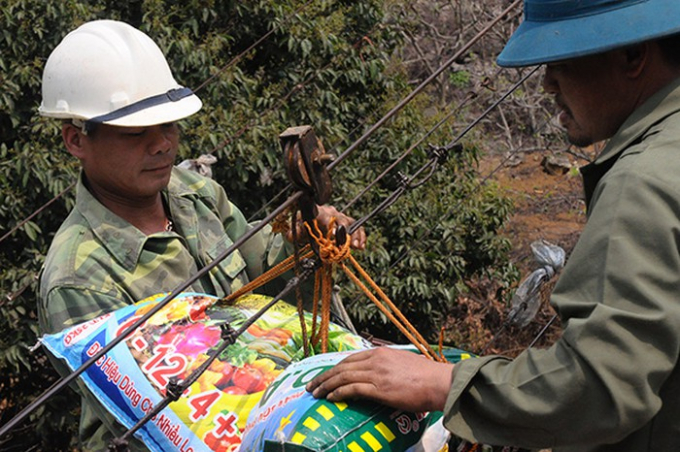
{"x": 612, "y": 381}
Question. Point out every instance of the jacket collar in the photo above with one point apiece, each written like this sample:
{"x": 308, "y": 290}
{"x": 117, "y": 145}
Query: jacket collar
{"x": 662, "y": 104}
{"x": 121, "y": 239}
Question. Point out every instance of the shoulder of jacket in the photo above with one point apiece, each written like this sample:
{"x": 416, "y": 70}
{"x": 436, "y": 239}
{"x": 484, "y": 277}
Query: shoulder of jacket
{"x": 187, "y": 183}
{"x": 68, "y": 242}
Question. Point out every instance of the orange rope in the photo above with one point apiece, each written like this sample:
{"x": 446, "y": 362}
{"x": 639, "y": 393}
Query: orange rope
{"x": 391, "y": 311}
{"x": 393, "y": 307}
{"x": 330, "y": 253}
{"x": 267, "y": 276}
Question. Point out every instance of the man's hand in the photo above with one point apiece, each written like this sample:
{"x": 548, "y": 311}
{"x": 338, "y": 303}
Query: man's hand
{"x": 397, "y": 378}
{"x": 323, "y": 218}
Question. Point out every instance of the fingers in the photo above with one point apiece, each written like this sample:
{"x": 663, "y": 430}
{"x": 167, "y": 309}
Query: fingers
{"x": 358, "y": 237}
{"x": 352, "y": 391}
{"x": 397, "y": 378}
{"x": 346, "y": 373}
{"x": 345, "y": 381}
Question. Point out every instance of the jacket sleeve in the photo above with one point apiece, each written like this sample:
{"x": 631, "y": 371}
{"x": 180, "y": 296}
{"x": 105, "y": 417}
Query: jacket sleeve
{"x": 618, "y": 299}
{"x": 65, "y": 306}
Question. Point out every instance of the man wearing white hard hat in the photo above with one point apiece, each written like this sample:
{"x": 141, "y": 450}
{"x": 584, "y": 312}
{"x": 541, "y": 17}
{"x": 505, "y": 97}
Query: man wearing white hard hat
{"x": 140, "y": 226}
{"x": 612, "y": 381}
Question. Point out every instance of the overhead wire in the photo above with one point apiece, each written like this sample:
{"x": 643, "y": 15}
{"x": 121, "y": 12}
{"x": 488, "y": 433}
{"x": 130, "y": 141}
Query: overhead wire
{"x": 228, "y": 336}
{"x": 175, "y": 390}
{"x": 407, "y": 183}
{"x": 397, "y": 108}
{"x": 57, "y": 386}
{"x": 263, "y": 38}
{"x": 481, "y": 183}
{"x": 405, "y": 101}
{"x": 64, "y": 381}
{"x": 408, "y": 152}
{"x": 457, "y": 139}
{"x": 298, "y": 87}
{"x": 231, "y": 63}
{"x": 37, "y": 212}
{"x": 280, "y": 101}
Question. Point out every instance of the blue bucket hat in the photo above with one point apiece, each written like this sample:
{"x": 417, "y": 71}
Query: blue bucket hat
{"x": 555, "y": 30}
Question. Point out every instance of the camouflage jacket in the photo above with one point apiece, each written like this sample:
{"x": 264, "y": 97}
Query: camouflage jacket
{"x": 99, "y": 262}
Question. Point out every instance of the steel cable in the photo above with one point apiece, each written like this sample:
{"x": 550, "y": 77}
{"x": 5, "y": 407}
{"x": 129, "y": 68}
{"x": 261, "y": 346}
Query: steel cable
{"x": 64, "y": 381}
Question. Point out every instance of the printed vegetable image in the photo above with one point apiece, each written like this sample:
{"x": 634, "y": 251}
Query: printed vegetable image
{"x": 249, "y": 379}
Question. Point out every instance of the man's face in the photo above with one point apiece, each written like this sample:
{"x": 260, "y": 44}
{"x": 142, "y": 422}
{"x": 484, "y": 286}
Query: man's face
{"x": 592, "y": 96}
{"x": 129, "y": 165}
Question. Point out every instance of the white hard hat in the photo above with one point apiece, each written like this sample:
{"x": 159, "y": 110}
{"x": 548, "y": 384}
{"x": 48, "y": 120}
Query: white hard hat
{"x": 109, "y": 72}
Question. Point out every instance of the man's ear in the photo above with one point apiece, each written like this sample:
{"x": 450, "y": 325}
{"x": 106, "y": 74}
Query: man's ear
{"x": 636, "y": 58}
{"x": 73, "y": 140}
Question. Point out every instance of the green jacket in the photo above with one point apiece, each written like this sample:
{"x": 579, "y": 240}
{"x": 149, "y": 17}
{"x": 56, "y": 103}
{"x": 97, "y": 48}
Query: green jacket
{"x": 612, "y": 381}
{"x": 98, "y": 262}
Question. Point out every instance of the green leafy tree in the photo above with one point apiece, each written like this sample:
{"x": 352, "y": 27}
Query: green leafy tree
{"x": 328, "y": 64}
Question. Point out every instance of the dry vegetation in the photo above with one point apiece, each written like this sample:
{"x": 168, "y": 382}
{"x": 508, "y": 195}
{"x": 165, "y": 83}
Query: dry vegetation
{"x": 515, "y": 140}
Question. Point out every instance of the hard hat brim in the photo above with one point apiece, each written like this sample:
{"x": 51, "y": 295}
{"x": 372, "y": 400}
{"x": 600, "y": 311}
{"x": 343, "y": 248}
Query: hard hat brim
{"x": 537, "y": 42}
{"x": 159, "y": 114}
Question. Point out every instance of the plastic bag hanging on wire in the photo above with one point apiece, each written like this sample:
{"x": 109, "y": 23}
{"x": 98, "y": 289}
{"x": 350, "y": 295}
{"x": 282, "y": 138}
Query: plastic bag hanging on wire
{"x": 527, "y": 298}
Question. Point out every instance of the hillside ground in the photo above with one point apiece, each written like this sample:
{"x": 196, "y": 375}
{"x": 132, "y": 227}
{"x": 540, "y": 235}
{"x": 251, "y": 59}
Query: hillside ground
{"x": 548, "y": 206}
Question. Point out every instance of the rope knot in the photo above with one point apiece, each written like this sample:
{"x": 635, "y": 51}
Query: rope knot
{"x": 329, "y": 251}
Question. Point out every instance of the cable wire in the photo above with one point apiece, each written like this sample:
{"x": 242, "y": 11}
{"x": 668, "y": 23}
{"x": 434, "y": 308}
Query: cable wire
{"x": 64, "y": 381}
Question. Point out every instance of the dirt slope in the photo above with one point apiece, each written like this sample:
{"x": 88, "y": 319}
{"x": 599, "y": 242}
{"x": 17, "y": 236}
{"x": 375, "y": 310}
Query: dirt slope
{"x": 549, "y": 203}
{"x": 549, "y": 206}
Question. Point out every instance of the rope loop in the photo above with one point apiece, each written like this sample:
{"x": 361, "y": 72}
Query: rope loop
{"x": 329, "y": 251}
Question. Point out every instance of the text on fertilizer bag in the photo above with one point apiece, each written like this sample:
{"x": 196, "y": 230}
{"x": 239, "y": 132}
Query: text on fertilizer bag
{"x": 109, "y": 367}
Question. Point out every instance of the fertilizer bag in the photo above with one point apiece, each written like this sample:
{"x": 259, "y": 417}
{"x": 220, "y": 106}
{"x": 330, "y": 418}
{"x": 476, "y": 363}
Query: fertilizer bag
{"x": 288, "y": 418}
{"x": 251, "y": 398}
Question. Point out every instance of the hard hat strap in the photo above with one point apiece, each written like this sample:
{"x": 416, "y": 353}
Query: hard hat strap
{"x": 173, "y": 95}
